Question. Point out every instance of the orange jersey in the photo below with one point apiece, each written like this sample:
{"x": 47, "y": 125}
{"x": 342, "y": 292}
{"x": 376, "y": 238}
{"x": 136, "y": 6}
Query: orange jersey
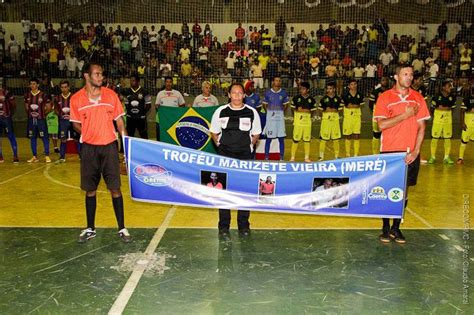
{"x": 96, "y": 116}
{"x": 402, "y": 136}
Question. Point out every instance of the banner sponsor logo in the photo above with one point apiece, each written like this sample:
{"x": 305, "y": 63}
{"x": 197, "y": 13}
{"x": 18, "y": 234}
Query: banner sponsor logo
{"x": 152, "y": 175}
{"x": 377, "y": 193}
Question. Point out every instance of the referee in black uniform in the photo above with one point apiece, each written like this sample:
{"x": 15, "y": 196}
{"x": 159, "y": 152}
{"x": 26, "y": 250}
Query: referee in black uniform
{"x": 137, "y": 103}
{"x": 235, "y": 129}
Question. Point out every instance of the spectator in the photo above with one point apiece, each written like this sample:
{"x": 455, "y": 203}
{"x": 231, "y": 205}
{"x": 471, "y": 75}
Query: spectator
{"x": 239, "y": 35}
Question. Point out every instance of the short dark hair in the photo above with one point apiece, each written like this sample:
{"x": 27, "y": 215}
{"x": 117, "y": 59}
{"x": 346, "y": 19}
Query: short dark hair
{"x": 135, "y": 76}
{"x": 445, "y": 82}
{"x": 168, "y": 78}
{"x": 352, "y": 80}
{"x": 333, "y": 84}
{"x": 88, "y": 67}
{"x": 34, "y": 79}
{"x": 402, "y": 66}
{"x": 64, "y": 82}
{"x": 236, "y": 84}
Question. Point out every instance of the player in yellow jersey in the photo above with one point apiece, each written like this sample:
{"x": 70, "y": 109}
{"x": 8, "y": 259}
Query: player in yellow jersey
{"x": 379, "y": 89}
{"x": 353, "y": 100}
{"x": 329, "y": 107}
{"x": 442, "y": 105}
{"x": 467, "y": 123}
{"x": 303, "y": 105}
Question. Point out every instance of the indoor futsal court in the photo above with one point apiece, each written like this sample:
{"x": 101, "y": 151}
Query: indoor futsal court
{"x": 177, "y": 262}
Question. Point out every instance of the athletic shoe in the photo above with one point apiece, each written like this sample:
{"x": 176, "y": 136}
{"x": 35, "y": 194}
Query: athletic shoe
{"x": 1, "y": 159}
{"x": 16, "y": 160}
{"x": 125, "y": 235}
{"x": 34, "y": 159}
{"x": 307, "y": 160}
{"x": 47, "y": 159}
{"x": 185, "y": 94}
{"x": 62, "y": 160}
{"x": 431, "y": 160}
{"x": 320, "y": 159}
{"x": 56, "y": 150}
{"x": 385, "y": 236}
{"x": 447, "y": 160}
{"x": 460, "y": 162}
{"x": 244, "y": 232}
{"x": 224, "y": 234}
{"x": 397, "y": 236}
{"x": 292, "y": 159}
{"x": 86, "y": 235}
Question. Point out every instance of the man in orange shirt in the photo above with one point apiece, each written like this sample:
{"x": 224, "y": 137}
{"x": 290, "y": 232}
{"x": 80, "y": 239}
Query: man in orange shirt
{"x": 93, "y": 112}
{"x": 401, "y": 113}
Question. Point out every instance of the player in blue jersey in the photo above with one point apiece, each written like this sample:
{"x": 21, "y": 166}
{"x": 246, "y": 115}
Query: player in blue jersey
{"x": 275, "y": 103}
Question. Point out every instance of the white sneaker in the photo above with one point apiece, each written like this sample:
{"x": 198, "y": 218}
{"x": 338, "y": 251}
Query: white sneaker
{"x": 125, "y": 235}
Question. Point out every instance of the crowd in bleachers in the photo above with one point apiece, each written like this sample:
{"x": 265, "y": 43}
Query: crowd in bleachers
{"x": 194, "y": 54}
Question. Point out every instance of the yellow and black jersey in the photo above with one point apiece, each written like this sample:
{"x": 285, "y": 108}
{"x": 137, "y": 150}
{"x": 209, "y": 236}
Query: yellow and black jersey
{"x": 445, "y": 101}
{"x": 374, "y": 96}
{"x": 468, "y": 103}
{"x": 356, "y": 99}
{"x": 299, "y": 101}
{"x": 331, "y": 102}
{"x": 422, "y": 90}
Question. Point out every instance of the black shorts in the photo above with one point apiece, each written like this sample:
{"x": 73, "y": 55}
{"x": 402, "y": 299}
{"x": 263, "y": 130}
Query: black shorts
{"x": 139, "y": 124}
{"x": 413, "y": 170}
{"x": 97, "y": 161}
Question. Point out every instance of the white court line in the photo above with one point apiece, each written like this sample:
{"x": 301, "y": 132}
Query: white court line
{"x": 444, "y": 237}
{"x": 23, "y": 174}
{"x": 50, "y": 178}
{"x": 421, "y": 219}
{"x": 132, "y": 282}
{"x": 459, "y": 248}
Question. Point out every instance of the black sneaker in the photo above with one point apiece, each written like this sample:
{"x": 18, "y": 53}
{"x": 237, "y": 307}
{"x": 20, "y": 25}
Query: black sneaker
{"x": 125, "y": 235}
{"x": 245, "y": 232}
{"x": 86, "y": 235}
{"x": 397, "y": 236}
{"x": 224, "y": 234}
{"x": 385, "y": 236}
{"x": 56, "y": 150}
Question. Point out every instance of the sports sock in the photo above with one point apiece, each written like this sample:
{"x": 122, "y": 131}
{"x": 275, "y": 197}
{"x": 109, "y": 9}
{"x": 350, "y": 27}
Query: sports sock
{"x": 336, "y": 148}
{"x": 447, "y": 147}
{"x": 462, "y": 149}
{"x": 434, "y": 146}
{"x": 356, "y": 147}
{"x": 91, "y": 205}
{"x": 348, "y": 147}
{"x": 117, "y": 202}
{"x": 306, "y": 149}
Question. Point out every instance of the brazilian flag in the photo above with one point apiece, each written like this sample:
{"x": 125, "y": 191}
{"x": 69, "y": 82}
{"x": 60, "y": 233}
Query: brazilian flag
{"x": 187, "y": 127}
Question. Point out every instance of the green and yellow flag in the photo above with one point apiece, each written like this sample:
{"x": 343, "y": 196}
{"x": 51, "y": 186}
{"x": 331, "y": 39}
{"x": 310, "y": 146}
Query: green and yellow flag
{"x": 187, "y": 126}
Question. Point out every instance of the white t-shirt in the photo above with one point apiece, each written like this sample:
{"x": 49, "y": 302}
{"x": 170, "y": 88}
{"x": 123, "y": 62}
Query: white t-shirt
{"x": 153, "y": 36}
{"x": 26, "y": 24}
{"x": 71, "y": 63}
{"x": 203, "y": 53}
{"x": 434, "y": 69}
{"x": 386, "y": 58}
{"x": 134, "y": 39}
{"x": 171, "y": 98}
{"x": 371, "y": 70}
{"x": 205, "y": 101}
{"x": 230, "y": 62}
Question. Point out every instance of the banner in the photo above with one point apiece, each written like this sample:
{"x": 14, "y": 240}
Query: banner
{"x": 187, "y": 126}
{"x": 369, "y": 186}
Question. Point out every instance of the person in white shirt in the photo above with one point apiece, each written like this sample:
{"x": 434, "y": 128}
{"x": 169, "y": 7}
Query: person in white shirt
{"x": 418, "y": 65}
{"x": 203, "y": 51}
{"x": 230, "y": 63}
{"x": 165, "y": 69}
{"x": 26, "y": 25}
{"x": 167, "y": 97}
{"x": 71, "y": 65}
{"x": 153, "y": 37}
{"x": 14, "y": 49}
{"x": 205, "y": 99}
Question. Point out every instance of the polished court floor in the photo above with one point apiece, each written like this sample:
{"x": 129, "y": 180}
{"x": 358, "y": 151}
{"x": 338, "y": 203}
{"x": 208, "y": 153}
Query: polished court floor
{"x": 291, "y": 264}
